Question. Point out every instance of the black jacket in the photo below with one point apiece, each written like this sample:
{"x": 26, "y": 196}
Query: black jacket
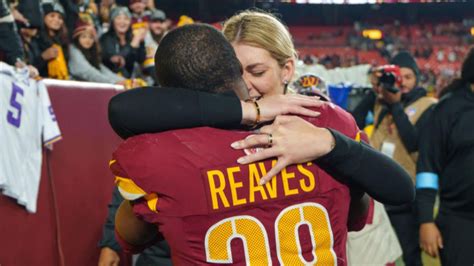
{"x": 111, "y": 46}
{"x": 447, "y": 150}
{"x": 4, "y": 8}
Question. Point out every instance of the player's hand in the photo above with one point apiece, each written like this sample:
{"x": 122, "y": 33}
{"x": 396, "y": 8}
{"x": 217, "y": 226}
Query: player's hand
{"x": 430, "y": 239}
{"x": 272, "y": 106}
{"x": 290, "y": 139}
{"x": 108, "y": 257}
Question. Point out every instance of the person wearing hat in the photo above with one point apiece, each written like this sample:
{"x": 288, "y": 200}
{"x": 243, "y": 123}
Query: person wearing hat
{"x": 85, "y": 60}
{"x": 29, "y": 35}
{"x": 445, "y": 166}
{"x": 53, "y": 43}
{"x": 399, "y": 116}
{"x": 157, "y": 29}
{"x": 121, "y": 48}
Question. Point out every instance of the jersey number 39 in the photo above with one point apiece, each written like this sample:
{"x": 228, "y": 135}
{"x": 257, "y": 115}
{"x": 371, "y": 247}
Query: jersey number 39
{"x": 288, "y": 248}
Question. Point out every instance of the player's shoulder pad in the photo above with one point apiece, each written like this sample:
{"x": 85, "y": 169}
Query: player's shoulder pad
{"x": 146, "y": 149}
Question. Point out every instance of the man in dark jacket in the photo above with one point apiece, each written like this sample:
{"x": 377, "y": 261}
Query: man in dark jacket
{"x": 399, "y": 117}
{"x": 10, "y": 45}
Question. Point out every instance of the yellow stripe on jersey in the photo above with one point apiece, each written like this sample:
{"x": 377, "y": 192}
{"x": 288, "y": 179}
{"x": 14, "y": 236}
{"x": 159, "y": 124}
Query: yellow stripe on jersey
{"x": 131, "y": 191}
{"x": 152, "y": 201}
{"x": 128, "y": 188}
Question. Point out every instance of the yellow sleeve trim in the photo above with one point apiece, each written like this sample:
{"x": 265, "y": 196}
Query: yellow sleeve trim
{"x": 131, "y": 191}
{"x": 357, "y": 137}
{"x": 152, "y": 201}
{"x": 128, "y": 188}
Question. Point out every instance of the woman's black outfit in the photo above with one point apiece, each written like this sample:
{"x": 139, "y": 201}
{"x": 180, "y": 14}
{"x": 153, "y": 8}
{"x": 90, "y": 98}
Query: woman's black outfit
{"x": 447, "y": 153}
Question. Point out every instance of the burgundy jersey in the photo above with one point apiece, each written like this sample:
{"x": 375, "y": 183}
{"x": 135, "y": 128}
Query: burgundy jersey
{"x": 212, "y": 211}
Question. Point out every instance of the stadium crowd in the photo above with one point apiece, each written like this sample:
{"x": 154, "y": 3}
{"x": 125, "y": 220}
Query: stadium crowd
{"x": 86, "y": 41}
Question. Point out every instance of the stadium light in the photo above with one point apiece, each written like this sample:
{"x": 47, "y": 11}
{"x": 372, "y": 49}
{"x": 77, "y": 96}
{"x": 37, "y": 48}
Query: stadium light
{"x": 373, "y": 34}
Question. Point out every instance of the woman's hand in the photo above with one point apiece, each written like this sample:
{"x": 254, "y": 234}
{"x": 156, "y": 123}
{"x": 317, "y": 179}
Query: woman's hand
{"x": 138, "y": 37}
{"x": 290, "y": 139}
{"x": 272, "y": 106}
{"x": 50, "y": 53}
{"x": 118, "y": 60}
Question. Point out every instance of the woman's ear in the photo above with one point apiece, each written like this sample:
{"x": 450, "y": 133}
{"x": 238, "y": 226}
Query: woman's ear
{"x": 288, "y": 70}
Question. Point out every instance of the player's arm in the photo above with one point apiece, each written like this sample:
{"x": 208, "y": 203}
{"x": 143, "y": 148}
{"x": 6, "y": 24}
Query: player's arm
{"x": 133, "y": 230}
{"x": 133, "y": 233}
{"x": 153, "y": 109}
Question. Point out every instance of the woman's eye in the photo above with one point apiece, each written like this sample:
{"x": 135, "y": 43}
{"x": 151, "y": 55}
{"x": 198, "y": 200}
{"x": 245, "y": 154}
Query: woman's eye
{"x": 259, "y": 74}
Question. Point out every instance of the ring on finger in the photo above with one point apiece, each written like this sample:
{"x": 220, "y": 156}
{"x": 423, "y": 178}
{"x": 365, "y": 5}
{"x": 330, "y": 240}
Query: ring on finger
{"x": 270, "y": 139}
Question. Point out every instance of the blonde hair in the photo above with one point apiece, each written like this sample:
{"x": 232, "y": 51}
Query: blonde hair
{"x": 262, "y": 30}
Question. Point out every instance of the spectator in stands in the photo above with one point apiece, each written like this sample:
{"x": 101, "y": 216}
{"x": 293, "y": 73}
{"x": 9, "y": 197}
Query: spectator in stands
{"x": 140, "y": 14}
{"x": 445, "y": 166}
{"x": 53, "y": 43}
{"x": 398, "y": 119}
{"x": 85, "y": 10}
{"x": 10, "y": 44}
{"x": 29, "y": 35}
{"x": 157, "y": 29}
{"x": 31, "y": 10}
{"x": 122, "y": 49}
{"x": 85, "y": 60}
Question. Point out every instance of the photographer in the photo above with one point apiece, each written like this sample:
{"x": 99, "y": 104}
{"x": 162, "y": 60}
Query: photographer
{"x": 401, "y": 109}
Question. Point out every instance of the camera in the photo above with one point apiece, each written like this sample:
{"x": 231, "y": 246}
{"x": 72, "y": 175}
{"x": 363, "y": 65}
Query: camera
{"x": 389, "y": 77}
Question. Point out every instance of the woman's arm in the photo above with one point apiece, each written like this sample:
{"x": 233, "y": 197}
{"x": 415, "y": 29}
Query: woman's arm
{"x": 295, "y": 140}
{"x": 157, "y": 109}
{"x": 82, "y": 69}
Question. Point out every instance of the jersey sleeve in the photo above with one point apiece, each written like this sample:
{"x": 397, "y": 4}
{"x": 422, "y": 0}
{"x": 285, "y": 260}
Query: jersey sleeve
{"x": 51, "y": 131}
{"x": 144, "y": 203}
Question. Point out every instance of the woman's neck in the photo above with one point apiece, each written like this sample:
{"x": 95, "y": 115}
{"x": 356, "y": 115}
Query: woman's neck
{"x": 51, "y": 33}
{"x": 122, "y": 38}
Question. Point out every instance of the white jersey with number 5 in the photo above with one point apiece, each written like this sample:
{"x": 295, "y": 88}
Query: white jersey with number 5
{"x": 27, "y": 122}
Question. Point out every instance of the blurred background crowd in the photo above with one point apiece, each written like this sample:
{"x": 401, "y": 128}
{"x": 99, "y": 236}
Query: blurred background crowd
{"x": 114, "y": 41}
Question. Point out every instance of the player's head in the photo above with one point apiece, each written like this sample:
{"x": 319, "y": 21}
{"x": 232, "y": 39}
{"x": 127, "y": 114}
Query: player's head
{"x": 198, "y": 56}
{"x": 265, "y": 49}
